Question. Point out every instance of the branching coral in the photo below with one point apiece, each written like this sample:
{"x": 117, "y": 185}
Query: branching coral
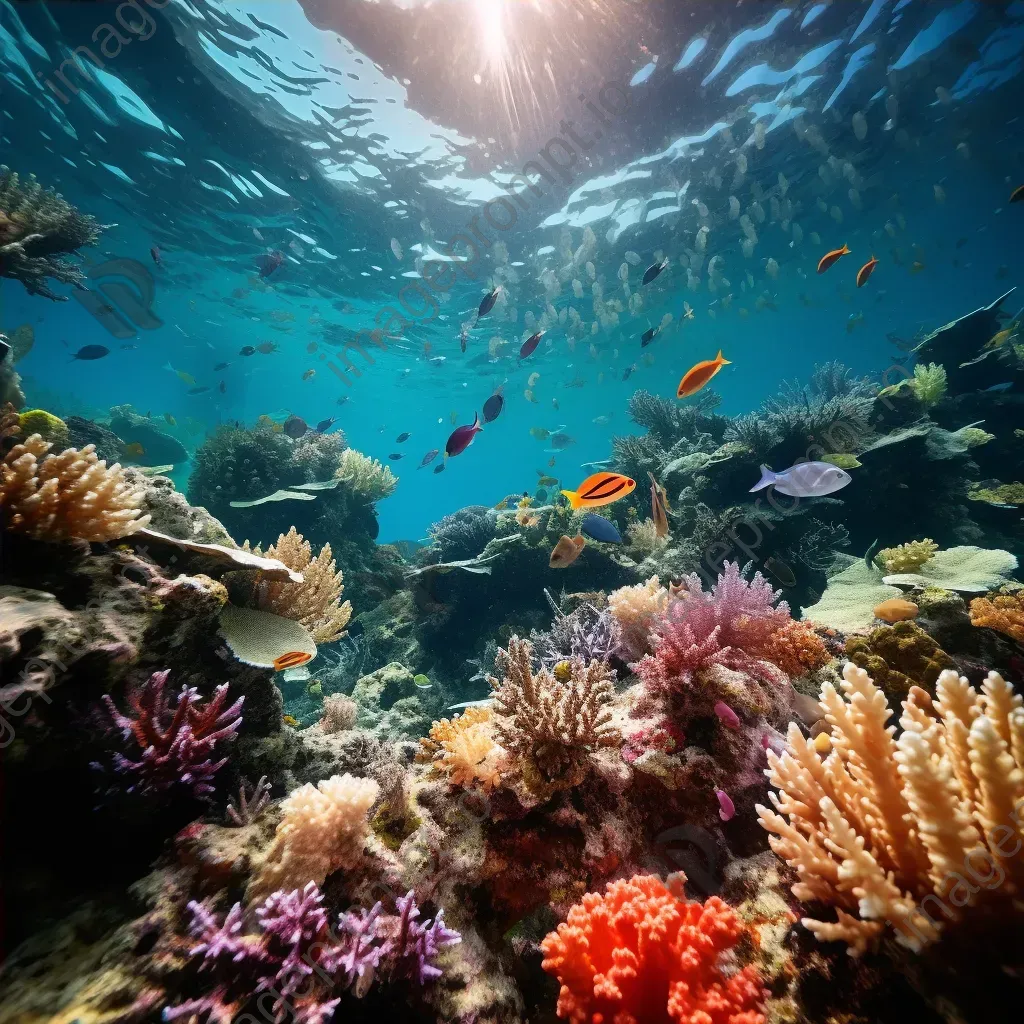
{"x": 886, "y": 830}
{"x": 316, "y": 601}
{"x": 928, "y": 383}
{"x": 71, "y": 496}
{"x": 176, "y": 744}
{"x": 323, "y": 829}
{"x": 367, "y": 477}
{"x": 640, "y": 954}
{"x": 898, "y": 657}
{"x": 637, "y": 609}
{"x": 549, "y": 727}
{"x": 318, "y": 454}
{"x": 1003, "y": 612}
{"x": 907, "y": 557}
{"x": 668, "y": 421}
{"x": 37, "y": 228}
{"x": 339, "y": 714}
{"x": 464, "y": 749}
{"x": 464, "y": 533}
{"x": 587, "y": 633}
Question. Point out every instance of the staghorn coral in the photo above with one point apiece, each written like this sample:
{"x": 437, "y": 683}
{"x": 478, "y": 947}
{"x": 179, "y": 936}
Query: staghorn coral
{"x": 250, "y": 805}
{"x": 898, "y": 657}
{"x": 71, "y": 496}
{"x": 465, "y": 750}
{"x": 640, "y": 952}
{"x": 549, "y": 727}
{"x": 907, "y": 557}
{"x": 365, "y": 476}
{"x": 316, "y": 601}
{"x": 879, "y": 828}
{"x": 636, "y": 609}
{"x": 175, "y": 744}
{"x": 37, "y": 228}
{"x": 322, "y": 829}
{"x": 1002, "y": 612}
{"x": 928, "y": 383}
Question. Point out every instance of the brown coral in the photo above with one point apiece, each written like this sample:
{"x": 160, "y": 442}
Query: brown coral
{"x": 898, "y": 657}
{"x": 797, "y": 649}
{"x": 316, "y": 601}
{"x": 71, "y": 496}
{"x": 886, "y": 831}
{"x": 10, "y": 421}
{"x": 550, "y": 728}
{"x": 1003, "y": 612}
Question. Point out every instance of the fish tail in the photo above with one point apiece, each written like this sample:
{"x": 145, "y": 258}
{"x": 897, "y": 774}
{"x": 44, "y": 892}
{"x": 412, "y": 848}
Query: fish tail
{"x": 723, "y": 362}
{"x": 574, "y": 499}
{"x": 767, "y": 479}
{"x": 845, "y": 249}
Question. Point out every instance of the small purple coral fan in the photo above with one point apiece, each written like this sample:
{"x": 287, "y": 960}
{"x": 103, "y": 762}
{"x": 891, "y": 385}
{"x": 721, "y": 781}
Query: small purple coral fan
{"x": 176, "y": 744}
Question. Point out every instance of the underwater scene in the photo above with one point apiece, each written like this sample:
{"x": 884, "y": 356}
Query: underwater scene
{"x": 511, "y": 511}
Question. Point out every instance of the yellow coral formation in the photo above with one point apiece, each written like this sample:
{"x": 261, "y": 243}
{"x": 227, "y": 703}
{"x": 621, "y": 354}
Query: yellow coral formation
{"x": 1002, "y": 494}
{"x": 465, "y": 749}
{"x": 907, "y": 557}
{"x": 1004, "y": 612}
{"x": 928, "y": 383}
{"x": 644, "y": 539}
{"x": 636, "y": 609}
{"x": 49, "y": 427}
{"x": 323, "y": 829}
{"x": 888, "y": 830}
{"x": 366, "y": 476}
{"x": 316, "y": 601}
{"x": 71, "y": 496}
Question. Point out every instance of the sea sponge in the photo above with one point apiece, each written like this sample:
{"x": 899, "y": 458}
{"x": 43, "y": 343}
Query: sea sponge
{"x": 850, "y": 599}
{"x": 71, "y": 496}
{"x": 1003, "y": 612}
{"x": 261, "y": 638}
{"x": 639, "y": 953}
{"x": 928, "y": 383}
{"x": 322, "y": 830}
{"x": 339, "y": 713}
{"x": 1003, "y": 494}
{"x": 316, "y": 601}
{"x": 37, "y": 228}
{"x": 49, "y": 427}
{"x": 796, "y": 649}
{"x": 899, "y": 657}
{"x": 365, "y": 476}
{"x": 882, "y": 828}
{"x": 966, "y": 568}
{"x": 907, "y": 557}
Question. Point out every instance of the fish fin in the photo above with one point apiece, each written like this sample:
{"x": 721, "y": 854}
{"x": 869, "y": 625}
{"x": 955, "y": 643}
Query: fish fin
{"x": 767, "y": 479}
{"x": 574, "y": 499}
{"x": 724, "y": 362}
{"x": 845, "y": 250}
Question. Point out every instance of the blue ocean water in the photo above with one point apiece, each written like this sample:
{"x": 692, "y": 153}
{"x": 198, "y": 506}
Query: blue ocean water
{"x": 358, "y": 140}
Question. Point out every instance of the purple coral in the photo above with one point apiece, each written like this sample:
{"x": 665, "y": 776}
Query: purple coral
{"x": 176, "y": 744}
{"x": 417, "y": 945}
{"x": 586, "y": 632}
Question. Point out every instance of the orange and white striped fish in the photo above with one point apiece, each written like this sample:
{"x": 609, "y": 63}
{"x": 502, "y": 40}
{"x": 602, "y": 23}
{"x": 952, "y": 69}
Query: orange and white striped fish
{"x": 291, "y": 660}
{"x": 600, "y": 489}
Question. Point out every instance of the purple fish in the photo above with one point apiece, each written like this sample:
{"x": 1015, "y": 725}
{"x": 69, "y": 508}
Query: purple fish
{"x": 295, "y": 427}
{"x": 488, "y": 301}
{"x": 429, "y": 457}
{"x": 804, "y": 480}
{"x": 727, "y": 715}
{"x": 726, "y": 808}
{"x": 493, "y": 407}
{"x": 269, "y": 262}
{"x": 530, "y": 344}
{"x": 462, "y": 437}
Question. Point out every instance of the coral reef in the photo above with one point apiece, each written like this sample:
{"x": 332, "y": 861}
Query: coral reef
{"x": 907, "y": 557}
{"x": 1003, "y": 612}
{"x": 38, "y": 228}
{"x": 367, "y": 477}
{"x": 49, "y": 427}
{"x": 464, "y": 533}
{"x": 899, "y": 657}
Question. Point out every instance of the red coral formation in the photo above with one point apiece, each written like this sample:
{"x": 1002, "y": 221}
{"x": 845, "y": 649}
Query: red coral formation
{"x": 640, "y": 955}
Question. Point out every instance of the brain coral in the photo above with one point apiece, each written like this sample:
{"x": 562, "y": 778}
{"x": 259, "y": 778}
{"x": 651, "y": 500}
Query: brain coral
{"x": 899, "y": 657}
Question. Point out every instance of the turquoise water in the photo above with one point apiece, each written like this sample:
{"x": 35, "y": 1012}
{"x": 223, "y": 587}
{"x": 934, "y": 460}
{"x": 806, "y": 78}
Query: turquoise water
{"x": 223, "y": 131}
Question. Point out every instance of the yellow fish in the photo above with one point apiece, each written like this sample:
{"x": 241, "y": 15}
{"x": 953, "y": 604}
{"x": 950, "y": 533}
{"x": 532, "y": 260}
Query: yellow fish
{"x": 309, "y": 375}
{"x": 998, "y": 339}
{"x": 503, "y": 504}
{"x": 170, "y": 419}
{"x": 541, "y": 433}
{"x": 133, "y": 450}
{"x": 186, "y": 378}
{"x": 290, "y": 720}
{"x": 916, "y": 267}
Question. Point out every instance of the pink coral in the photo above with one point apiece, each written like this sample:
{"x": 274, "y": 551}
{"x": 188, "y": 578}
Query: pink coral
{"x": 638, "y": 954}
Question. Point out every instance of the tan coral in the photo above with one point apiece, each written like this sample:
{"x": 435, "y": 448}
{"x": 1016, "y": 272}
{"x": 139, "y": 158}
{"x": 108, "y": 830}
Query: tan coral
{"x": 636, "y": 609}
{"x": 70, "y": 496}
{"x": 551, "y": 728}
{"x": 10, "y": 421}
{"x": 889, "y": 830}
{"x": 907, "y": 557}
{"x": 1004, "y": 612}
{"x": 316, "y": 601}
{"x": 464, "y": 748}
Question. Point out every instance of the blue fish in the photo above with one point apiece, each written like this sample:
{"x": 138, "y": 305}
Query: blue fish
{"x": 1000, "y": 387}
{"x": 598, "y": 528}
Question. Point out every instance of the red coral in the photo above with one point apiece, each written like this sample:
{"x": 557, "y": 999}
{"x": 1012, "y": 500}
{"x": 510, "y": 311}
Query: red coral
{"x": 640, "y": 955}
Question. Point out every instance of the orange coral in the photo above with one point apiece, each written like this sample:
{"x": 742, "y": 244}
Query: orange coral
{"x": 464, "y": 748}
{"x": 796, "y": 649}
{"x": 1004, "y": 612}
{"x": 640, "y": 955}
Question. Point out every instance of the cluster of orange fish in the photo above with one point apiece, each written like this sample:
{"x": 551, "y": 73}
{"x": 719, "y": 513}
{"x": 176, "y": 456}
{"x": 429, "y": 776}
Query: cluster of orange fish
{"x": 834, "y": 255}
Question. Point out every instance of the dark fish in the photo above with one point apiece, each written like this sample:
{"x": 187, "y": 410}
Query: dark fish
{"x": 269, "y": 262}
{"x": 221, "y": 366}
{"x": 530, "y": 344}
{"x": 404, "y": 436}
{"x": 628, "y": 372}
{"x": 648, "y": 336}
{"x": 324, "y": 425}
{"x": 652, "y": 272}
{"x": 488, "y": 301}
{"x": 197, "y": 391}
{"x": 154, "y": 252}
{"x": 780, "y": 570}
{"x": 342, "y": 401}
{"x": 295, "y": 427}
{"x": 439, "y": 468}
{"x": 395, "y": 456}
{"x": 493, "y": 407}
{"x": 1017, "y": 195}
{"x": 247, "y": 351}
{"x": 91, "y": 352}
{"x": 462, "y": 437}
{"x": 222, "y": 387}
{"x": 598, "y": 528}
{"x": 429, "y": 458}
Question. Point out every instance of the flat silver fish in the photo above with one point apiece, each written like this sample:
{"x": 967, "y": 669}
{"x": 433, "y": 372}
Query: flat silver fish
{"x": 804, "y": 480}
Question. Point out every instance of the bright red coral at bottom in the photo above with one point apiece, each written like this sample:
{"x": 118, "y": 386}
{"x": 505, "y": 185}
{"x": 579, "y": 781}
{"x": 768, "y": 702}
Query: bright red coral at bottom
{"x": 640, "y": 955}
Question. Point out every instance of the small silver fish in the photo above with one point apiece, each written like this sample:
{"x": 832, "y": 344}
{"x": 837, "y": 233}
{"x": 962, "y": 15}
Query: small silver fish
{"x": 804, "y": 480}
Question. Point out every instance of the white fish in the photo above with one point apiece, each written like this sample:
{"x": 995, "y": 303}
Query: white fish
{"x": 940, "y": 194}
{"x": 860, "y": 126}
{"x": 396, "y": 248}
{"x": 771, "y": 268}
{"x": 295, "y": 675}
{"x": 632, "y": 258}
{"x": 804, "y": 480}
{"x": 485, "y": 703}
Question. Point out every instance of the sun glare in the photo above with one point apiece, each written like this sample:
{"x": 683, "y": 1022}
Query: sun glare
{"x": 491, "y": 18}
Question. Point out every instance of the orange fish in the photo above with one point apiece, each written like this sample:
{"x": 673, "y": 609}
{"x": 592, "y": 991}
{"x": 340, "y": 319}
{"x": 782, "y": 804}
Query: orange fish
{"x": 566, "y": 551}
{"x": 659, "y": 507}
{"x": 133, "y": 450}
{"x": 291, "y": 660}
{"x": 829, "y": 258}
{"x": 697, "y": 376}
{"x": 865, "y": 272}
{"x": 600, "y": 489}
{"x": 896, "y": 609}
{"x": 1017, "y": 195}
